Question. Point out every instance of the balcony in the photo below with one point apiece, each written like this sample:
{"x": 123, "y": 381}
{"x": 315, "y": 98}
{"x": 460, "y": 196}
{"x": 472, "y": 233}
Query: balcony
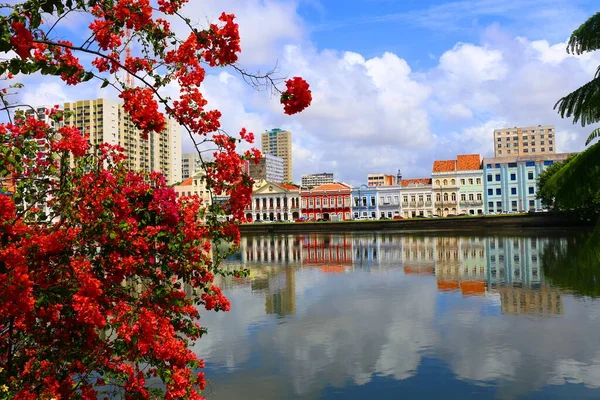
{"x": 404, "y": 205}
{"x": 428, "y": 203}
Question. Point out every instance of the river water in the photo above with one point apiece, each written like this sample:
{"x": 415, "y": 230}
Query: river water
{"x": 396, "y": 315}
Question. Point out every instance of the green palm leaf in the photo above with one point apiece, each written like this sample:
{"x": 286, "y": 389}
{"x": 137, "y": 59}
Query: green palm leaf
{"x": 595, "y": 133}
{"x": 583, "y": 104}
{"x": 586, "y": 37}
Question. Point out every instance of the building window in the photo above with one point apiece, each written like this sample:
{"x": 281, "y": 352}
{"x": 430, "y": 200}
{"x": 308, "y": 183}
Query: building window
{"x": 364, "y": 201}
{"x": 531, "y": 203}
{"x": 479, "y": 196}
{"x": 445, "y": 196}
{"x": 513, "y": 177}
{"x": 498, "y": 192}
{"x": 497, "y": 177}
{"x": 531, "y": 190}
{"x": 490, "y": 205}
{"x": 462, "y": 181}
{"x": 438, "y": 197}
{"x": 453, "y": 182}
{"x": 310, "y": 203}
{"x": 478, "y": 181}
{"x": 513, "y": 190}
{"x": 514, "y": 205}
{"x": 463, "y": 197}
{"x": 355, "y": 215}
{"x": 356, "y": 202}
{"x": 489, "y": 178}
{"x": 437, "y": 182}
{"x": 530, "y": 175}
{"x": 347, "y": 215}
{"x": 445, "y": 182}
{"x": 372, "y": 201}
{"x": 471, "y": 197}
{"x": 318, "y": 202}
{"x": 325, "y": 202}
{"x": 550, "y": 162}
{"x": 470, "y": 181}
{"x": 550, "y": 149}
{"x": 453, "y": 196}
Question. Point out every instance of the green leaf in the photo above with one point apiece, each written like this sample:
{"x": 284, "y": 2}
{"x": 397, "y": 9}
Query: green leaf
{"x": 595, "y": 133}
{"x": 105, "y": 84}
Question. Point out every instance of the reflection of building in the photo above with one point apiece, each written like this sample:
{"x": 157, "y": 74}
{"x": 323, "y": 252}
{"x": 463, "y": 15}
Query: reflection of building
{"x": 270, "y": 250}
{"x": 461, "y": 265}
{"x": 417, "y": 254}
{"x": 327, "y": 251}
{"x": 516, "y": 300}
{"x": 514, "y": 260}
{"x": 280, "y": 298}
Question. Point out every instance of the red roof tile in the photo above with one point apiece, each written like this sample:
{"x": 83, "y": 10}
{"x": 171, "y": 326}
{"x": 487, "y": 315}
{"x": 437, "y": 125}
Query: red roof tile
{"x": 444, "y": 166}
{"x": 187, "y": 182}
{"x": 424, "y": 181}
{"x": 288, "y": 187}
{"x": 468, "y": 162}
{"x": 332, "y": 186}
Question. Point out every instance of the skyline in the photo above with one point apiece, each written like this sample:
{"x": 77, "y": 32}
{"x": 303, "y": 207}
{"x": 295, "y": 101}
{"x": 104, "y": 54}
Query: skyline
{"x": 395, "y": 84}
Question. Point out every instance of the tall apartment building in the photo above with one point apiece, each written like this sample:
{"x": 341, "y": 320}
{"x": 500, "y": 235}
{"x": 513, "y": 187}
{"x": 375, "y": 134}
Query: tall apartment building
{"x": 190, "y": 164}
{"x": 269, "y": 168}
{"x": 314, "y": 180}
{"x": 524, "y": 141}
{"x": 107, "y": 122}
{"x": 278, "y": 143}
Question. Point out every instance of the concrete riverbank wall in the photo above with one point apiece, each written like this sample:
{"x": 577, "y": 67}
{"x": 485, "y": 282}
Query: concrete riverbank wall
{"x": 487, "y": 224}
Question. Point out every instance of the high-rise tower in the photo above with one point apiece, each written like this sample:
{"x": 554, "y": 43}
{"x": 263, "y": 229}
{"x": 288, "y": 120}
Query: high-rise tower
{"x": 278, "y": 142}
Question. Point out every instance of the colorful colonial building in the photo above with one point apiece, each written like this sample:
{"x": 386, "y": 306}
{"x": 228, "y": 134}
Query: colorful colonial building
{"x": 416, "y": 197}
{"x": 510, "y": 183}
{"x": 470, "y": 183}
{"x": 388, "y": 201}
{"x": 328, "y": 202}
{"x": 445, "y": 187}
{"x": 274, "y": 202}
{"x": 364, "y": 202}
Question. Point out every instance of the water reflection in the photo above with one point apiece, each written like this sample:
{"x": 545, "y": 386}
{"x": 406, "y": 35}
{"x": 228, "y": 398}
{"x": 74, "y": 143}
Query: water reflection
{"x": 334, "y": 316}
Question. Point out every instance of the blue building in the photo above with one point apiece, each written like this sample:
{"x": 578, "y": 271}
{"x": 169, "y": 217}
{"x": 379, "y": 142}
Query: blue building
{"x": 364, "y": 202}
{"x": 510, "y": 183}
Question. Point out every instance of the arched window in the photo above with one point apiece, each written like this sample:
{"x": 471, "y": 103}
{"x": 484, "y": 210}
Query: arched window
{"x": 445, "y": 196}
{"x": 463, "y": 197}
{"x": 453, "y": 182}
{"x": 438, "y": 197}
{"x": 437, "y": 182}
{"x": 453, "y": 196}
{"x": 445, "y": 182}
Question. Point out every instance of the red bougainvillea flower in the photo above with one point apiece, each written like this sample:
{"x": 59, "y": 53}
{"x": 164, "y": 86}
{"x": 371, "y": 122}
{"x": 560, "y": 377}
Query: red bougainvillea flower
{"x": 297, "y": 96}
{"x": 22, "y": 40}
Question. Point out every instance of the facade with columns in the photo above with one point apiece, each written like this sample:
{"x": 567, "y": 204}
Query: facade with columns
{"x": 274, "y": 202}
{"x": 416, "y": 198}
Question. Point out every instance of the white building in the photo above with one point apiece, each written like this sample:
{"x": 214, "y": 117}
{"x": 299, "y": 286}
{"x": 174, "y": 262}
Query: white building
{"x": 274, "y": 202}
{"x": 269, "y": 168}
{"x": 314, "y": 180}
{"x": 416, "y": 197}
{"x": 388, "y": 201}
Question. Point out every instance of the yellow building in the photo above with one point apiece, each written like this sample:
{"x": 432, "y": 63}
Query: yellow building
{"x": 530, "y": 140}
{"x": 278, "y": 142}
{"x": 107, "y": 122}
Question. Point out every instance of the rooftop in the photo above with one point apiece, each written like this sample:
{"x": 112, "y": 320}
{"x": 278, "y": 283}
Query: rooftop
{"x": 444, "y": 165}
{"x": 422, "y": 181}
{"x": 468, "y": 162}
{"x": 537, "y": 157}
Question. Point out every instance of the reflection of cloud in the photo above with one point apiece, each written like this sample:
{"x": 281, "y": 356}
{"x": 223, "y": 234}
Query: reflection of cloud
{"x": 349, "y": 328}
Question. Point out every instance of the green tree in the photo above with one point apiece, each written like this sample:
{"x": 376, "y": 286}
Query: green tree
{"x": 577, "y": 182}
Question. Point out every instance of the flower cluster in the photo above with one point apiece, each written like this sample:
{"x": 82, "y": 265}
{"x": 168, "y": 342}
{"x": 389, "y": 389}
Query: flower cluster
{"x": 94, "y": 257}
{"x": 296, "y": 97}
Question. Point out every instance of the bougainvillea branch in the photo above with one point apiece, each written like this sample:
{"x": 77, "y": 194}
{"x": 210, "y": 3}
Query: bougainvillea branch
{"x": 103, "y": 270}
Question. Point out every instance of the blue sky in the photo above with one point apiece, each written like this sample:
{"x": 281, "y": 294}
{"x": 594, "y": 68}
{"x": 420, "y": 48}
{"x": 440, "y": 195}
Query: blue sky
{"x": 396, "y": 83}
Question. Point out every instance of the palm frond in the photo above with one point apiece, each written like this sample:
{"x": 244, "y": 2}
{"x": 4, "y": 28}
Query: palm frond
{"x": 595, "y": 133}
{"x": 586, "y": 37}
{"x": 578, "y": 179}
{"x": 583, "y": 104}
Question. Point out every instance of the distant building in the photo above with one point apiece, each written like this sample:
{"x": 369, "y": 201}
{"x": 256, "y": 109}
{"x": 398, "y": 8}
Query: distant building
{"x": 388, "y": 201}
{"x": 195, "y": 185}
{"x": 416, "y": 197}
{"x": 107, "y": 122}
{"x": 269, "y": 168}
{"x": 278, "y": 143}
{"x": 510, "y": 183}
{"x": 364, "y": 202}
{"x": 531, "y": 140}
{"x": 380, "y": 180}
{"x": 327, "y": 202}
{"x": 313, "y": 180}
{"x": 190, "y": 164}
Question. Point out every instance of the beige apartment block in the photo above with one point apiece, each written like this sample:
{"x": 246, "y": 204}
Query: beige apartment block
{"x": 531, "y": 140}
{"x": 278, "y": 142}
{"x": 107, "y": 122}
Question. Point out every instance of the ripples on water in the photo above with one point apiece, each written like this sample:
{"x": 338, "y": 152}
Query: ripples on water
{"x": 405, "y": 316}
